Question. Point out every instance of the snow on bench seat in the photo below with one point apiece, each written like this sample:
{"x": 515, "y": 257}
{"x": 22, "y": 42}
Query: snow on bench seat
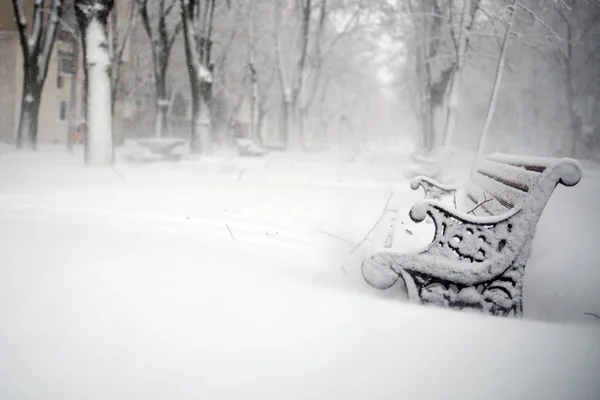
{"x": 483, "y": 234}
{"x": 157, "y": 149}
{"x": 248, "y": 148}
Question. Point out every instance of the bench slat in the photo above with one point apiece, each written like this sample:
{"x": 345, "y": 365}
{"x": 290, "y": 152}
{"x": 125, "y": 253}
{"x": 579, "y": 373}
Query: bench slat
{"x": 536, "y": 164}
{"x": 467, "y": 200}
{"x": 516, "y": 177}
{"x": 506, "y": 195}
{"x": 476, "y": 195}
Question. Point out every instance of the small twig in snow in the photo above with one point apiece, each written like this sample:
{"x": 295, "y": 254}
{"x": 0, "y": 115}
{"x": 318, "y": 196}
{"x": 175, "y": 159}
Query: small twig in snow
{"x": 344, "y": 269}
{"x": 349, "y": 243}
{"x": 454, "y": 201}
{"x": 592, "y": 314}
{"x": 355, "y": 156}
{"x": 240, "y": 175}
{"x": 376, "y": 223}
{"x": 486, "y": 200}
{"x": 117, "y": 172}
{"x": 229, "y": 229}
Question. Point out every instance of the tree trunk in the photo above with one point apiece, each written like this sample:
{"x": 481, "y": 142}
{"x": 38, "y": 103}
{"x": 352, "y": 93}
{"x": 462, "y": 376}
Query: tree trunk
{"x": 575, "y": 122}
{"x": 576, "y": 128}
{"x": 201, "y": 141}
{"x": 286, "y": 127}
{"x": 433, "y": 89}
{"x": 197, "y": 50}
{"x": 495, "y": 90}
{"x": 292, "y": 81}
{"x": 260, "y": 124}
{"x": 73, "y": 98}
{"x": 453, "y": 97}
{"x": 162, "y": 107}
{"x": 303, "y": 125}
{"x": 92, "y": 17}
{"x": 255, "y": 95}
{"x": 255, "y": 113}
{"x": 161, "y": 41}
{"x": 28, "y": 121}
{"x": 36, "y": 43}
{"x": 162, "y": 118}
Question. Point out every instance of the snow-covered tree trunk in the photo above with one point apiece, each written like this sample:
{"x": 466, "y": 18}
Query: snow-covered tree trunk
{"x": 73, "y": 96}
{"x": 163, "y": 104}
{"x": 161, "y": 39}
{"x": 454, "y": 95}
{"x": 255, "y": 112}
{"x": 28, "y": 120}
{"x": 288, "y": 139}
{"x": 305, "y": 10}
{"x": 314, "y": 77}
{"x": 255, "y": 93}
{"x": 36, "y": 47}
{"x": 119, "y": 42}
{"x": 292, "y": 80}
{"x": 434, "y": 76}
{"x": 496, "y": 88}
{"x": 566, "y": 59}
{"x": 197, "y": 56}
{"x": 92, "y": 17}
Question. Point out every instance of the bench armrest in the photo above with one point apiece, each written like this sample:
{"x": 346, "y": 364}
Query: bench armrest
{"x": 426, "y": 207}
{"x": 433, "y": 188}
{"x": 381, "y": 270}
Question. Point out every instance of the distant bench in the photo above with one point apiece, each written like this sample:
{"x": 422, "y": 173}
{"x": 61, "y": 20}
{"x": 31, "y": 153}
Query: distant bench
{"x": 248, "y": 148}
{"x": 158, "y": 149}
{"x": 483, "y": 235}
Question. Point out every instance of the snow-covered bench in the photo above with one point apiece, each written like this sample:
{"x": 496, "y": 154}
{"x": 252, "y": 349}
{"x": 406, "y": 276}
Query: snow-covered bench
{"x": 430, "y": 165}
{"x": 158, "y": 149}
{"x": 247, "y": 148}
{"x": 483, "y": 235}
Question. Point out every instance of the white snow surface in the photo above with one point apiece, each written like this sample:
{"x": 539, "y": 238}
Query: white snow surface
{"x": 127, "y": 284}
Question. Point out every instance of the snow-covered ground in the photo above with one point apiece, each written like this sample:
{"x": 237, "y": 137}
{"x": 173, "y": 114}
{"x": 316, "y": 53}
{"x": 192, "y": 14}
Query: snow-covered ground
{"x": 227, "y": 278}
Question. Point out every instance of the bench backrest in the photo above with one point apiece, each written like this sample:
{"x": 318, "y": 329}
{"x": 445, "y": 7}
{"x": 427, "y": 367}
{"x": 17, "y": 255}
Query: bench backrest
{"x": 502, "y": 182}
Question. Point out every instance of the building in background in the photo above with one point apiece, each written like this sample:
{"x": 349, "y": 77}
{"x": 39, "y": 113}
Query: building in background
{"x": 53, "y": 124}
{"x": 63, "y": 89}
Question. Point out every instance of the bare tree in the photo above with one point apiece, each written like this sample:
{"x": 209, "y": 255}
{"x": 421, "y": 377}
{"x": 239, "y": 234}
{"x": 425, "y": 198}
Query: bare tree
{"x": 162, "y": 38}
{"x": 577, "y": 22}
{"x": 37, "y": 51}
{"x": 252, "y": 70}
{"x": 454, "y": 92}
{"x": 92, "y": 17}
{"x": 323, "y": 48}
{"x": 441, "y": 33}
{"x": 120, "y": 39}
{"x": 291, "y": 75}
{"x": 497, "y": 82}
{"x": 197, "y": 21}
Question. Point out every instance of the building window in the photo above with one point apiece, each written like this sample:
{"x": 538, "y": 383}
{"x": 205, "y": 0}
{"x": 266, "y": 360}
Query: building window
{"x": 63, "y": 110}
{"x": 66, "y": 64}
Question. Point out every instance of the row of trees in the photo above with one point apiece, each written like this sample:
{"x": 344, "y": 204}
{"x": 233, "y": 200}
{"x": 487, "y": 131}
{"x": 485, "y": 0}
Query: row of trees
{"x": 532, "y": 62}
{"x": 283, "y": 55}
{"x": 37, "y": 42}
{"x": 317, "y": 63}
